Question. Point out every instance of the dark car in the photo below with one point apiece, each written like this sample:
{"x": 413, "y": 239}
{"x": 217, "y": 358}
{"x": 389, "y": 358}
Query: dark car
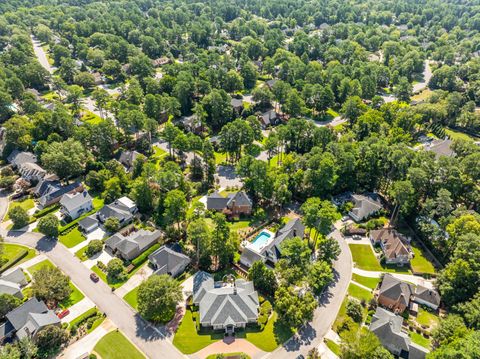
{"x": 94, "y": 277}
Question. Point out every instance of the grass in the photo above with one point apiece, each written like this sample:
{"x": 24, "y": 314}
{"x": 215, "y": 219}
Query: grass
{"x": 72, "y": 238}
{"x": 39, "y": 265}
{"x": 365, "y": 259}
{"x": 88, "y": 314}
{"x": 131, "y": 298}
{"x": 366, "y": 281}
{"x": 158, "y": 152}
{"x": 98, "y": 202}
{"x": 334, "y": 347}
{"x": 113, "y": 282}
{"x": 220, "y": 158}
{"x": 114, "y": 345}
{"x": 11, "y": 251}
{"x": 422, "y": 96}
{"x": 419, "y": 339}
{"x": 427, "y": 318}
{"x": 273, "y": 335}
{"x": 188, "y": 340}
{"x": 419, "y": 263}
{"x": 359, "y": 292}
{"x": 91, "y": 118}
{"x": 26, "y": 204}
{"x": 457, "y": 135}
{"x": 229, "y": 355}
{"x": 75, "y": 297}
{"x": 341, "y": 316}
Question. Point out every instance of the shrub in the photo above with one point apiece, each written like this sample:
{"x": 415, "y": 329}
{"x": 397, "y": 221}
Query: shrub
{"x": 115, "y": 268}
{"x": 354, "y": 311}
{"x": 92, "y": 356}
{"x": 101, "y": 266}
{"x": 19, "y": 217}
{"x": 94, "y": 247}
{"x": 112, "y": 224}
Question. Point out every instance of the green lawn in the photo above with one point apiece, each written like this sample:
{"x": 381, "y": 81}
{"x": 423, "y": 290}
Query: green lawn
{"x": 10, "y": 251}
{"x": 88, "y": 314}
{"x": 419, "y": 263}
{"x": 158, "y": 152}
{"x": 131, "y": 298}
{"x": 39, "y": 265}
{"x": 419, "y": 339}
{"x": 75, "y": 297}
{"x": 91, "y": 118}
{"x": 359, "y": 293}
{"x": 80, "y": 254}
{"x": 341, "y": 316}
{"x": 98, "y": 202}
{"x": 365, "y": 259}
{"x": 366, "y": 281}
{"x": 427, "y": 318}
{"x": 72, "y": 238}
{"x": 454, "y": 135}
{"x": 114, "y": 345}
{"x": 220, "y": 158}
{"x": 273, "y": 335}
{"x": 26, "y": 204}
{"x": 188, "y": 341}
{"x": 334, "y": 347}
{"x": 109, "y": 281}
{"x": 229, "y": 355}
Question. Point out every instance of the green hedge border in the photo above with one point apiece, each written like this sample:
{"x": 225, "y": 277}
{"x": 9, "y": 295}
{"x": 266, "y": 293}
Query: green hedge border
{"x": 14, "y": 261}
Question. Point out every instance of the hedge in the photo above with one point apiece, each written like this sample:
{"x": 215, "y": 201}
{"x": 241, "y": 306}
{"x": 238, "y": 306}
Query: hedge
{"x": 14, "y": 261}
{"x": 144, "y": 256}
{"x": 83, "y": 317}
{"x": 75, "y": 221}
{"x": 46, "y": 211}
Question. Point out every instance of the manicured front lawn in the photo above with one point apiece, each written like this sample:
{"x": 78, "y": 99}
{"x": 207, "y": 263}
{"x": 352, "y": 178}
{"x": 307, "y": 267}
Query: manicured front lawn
{"x": 419, "y": 263}
{"x": 188, "y": 340}
{"x": 366, "y": 281}
{"x": 359, "y": 293}
{"x": 229, "y": 355}
{"x": 75, "y": 297}
{"x": 113, "y": 283}
{"x": 273, "y": 335}
{"x": 131, "y": 298}
{"x": 334, "y": 347}
{"x": 427, "y": 318}
{"x": 80, "y": 254}
{"x": 26, "y": 204}
{"x": 10, "y": 251}
{"x": 341, "y": 316}
{"x": 419, "y": 339}
{"x": 364, "y": 257}
{"x": 72, "y": 238}
{"x": 114, "y": 345}
{"x": 39, "y": 265}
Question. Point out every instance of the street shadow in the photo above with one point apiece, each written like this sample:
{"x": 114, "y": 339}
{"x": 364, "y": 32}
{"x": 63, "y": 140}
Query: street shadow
{"x": 147, "y": 331}
{"x": 43, "y": 244}
{"x": 304, "y": 337}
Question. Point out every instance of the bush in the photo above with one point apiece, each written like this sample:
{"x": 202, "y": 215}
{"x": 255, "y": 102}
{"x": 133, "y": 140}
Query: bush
{"x": 48, "y": 225}
{"x": 92, "y": 356}
{"x": 94, "y": 247}
{"x": 115, "y": 268}
{"x": 13, "y": 261}
{"x": 354, "y": 311}
{"x": 101, "y": 266}
{"x": 46, "y": 211}
{"x": 19, "y": 217}
{"x": 112, "y": 224}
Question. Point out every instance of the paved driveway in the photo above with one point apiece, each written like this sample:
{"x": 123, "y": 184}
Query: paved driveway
{"x": 239, "y": 345}
{"x": 227, "y": 177}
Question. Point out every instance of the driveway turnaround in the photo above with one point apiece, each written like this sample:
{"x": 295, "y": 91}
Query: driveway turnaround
{"x": 238, "y": 345}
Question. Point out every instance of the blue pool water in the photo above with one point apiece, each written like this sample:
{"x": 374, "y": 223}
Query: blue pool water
{"x": 260, "y": 241}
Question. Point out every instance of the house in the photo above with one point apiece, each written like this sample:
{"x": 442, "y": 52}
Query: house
{"x": 49, "y": 192}
{"x": 270, "y": 83}
{"x": 27, "y": 320}
{"x": 267, "y": 245}
{"x": 428, "y": 297}
{"x": 364, "y": 206}
{"x": 387, "y": 327}
{"x": 394, "y": 294}
{"x": 161, "y": 61}
{"x": 17, "y": 158}
{"x": 395, "y": 246}
{"x": 74, "y": 205}
{"x": 31, "y": 171}
{"x": 226, "y": 305}
{"x": 131, "y": 244}
{"x": 440, "y": 148}
{"x": 237, "y": 105}
{"x": 166, "y": 260}
{"x": 191, "y": 123}
{"x": 13, "y": 282}
{"x": 237, "y": 203}
{"x": 127, "y": 158}
{"x": 268, "y": 118}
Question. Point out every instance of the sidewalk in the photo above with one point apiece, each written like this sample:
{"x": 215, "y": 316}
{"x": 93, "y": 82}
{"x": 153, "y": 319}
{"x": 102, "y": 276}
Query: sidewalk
{"x": 405, "y": 277}
{"x": 78, "y": 309}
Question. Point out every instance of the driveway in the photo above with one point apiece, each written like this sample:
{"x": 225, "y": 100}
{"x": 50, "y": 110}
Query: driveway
{"x": 405, "y": 277}
{"x": 41, "y": 56}
{"x": 427, "y": 75}
{"x": 134, "y": 281}
{"x": 227, "y": 177}
{"x": 238, "y": 345}
{"x": 312, "y": 334}
{"x": 78, "y": 309}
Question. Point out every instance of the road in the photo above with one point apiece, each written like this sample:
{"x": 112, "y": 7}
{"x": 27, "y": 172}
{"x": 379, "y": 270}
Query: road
{"x": 313, "y": 333}
{"x": 427, "y": 75}
{"x": 153, "y": 341}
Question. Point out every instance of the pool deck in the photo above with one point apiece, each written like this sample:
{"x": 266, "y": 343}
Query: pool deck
{"x": 251, "y": 245}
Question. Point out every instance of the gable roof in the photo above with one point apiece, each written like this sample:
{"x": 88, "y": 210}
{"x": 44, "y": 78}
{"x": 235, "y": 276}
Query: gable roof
{"x": 395, "y": 289}
{"x": 7, "y": 287}
{"x": 239, "y": 199}
{"x": 127, "y": 158}
{"x": 17, "y": 158}
{"x": 387, "y": 326}
{"x": 71, "y": 201}
{"x": 17, "y": 276}
{"x": 48, "y": 190}
{"x": 121, "y": 209}
{"x": 216, "y": 201}
{"x": 441, "y": 148}
{"x": 168, "y": 261}
{"x": 225, "y": 304}
{"x": 137, "y": 240}
{"x": 293, "y": 228}
{"x": 236, "y": 103}
{"x": 394, "y": 243}
{"x": 427, "y": 295}
{"x": 366, "y": 204}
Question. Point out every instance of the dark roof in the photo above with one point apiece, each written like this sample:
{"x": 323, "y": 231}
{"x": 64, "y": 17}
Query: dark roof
{"x": 48, "y": 190}
{"x": 293, "y": 228}
{"x": 216, "y": 201}
{"x": 427, "y": 295}
{"x": 395, "y": 289}
{"x": 88, "y": 221}
{"x": 168, "y": 261}
{"x": 137, "y": 240}
{"x": 116, "y": 209}
{"x": 394, "y": 243}
{"x": 388, "y": 328}
{"x": 239, "y": 199}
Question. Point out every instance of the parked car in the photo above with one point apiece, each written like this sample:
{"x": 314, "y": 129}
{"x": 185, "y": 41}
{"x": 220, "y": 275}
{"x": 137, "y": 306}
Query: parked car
{"x": 357, "y": 237}
{"x": 94, "y": 277}
{"x": 63, "y": 313}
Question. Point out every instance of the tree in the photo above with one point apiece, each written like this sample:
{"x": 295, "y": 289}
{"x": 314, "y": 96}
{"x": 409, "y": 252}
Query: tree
{"x": 263, "y": 278}
{"x": 115, "y": 268}
{"x": 218, "y": 108}
{"x": 101, "y": 98}
{"x": 74, "y": 97}
{"x": 175, "y": 205}
{"x": 112, "y": 224}
{"x": 158, "y": 297}
{"x": 294, "y": 104}
{"x": 113, "y": 189}
{"x": 450, "y": 330}
{"x": 403, "y": 90}
{"x": 85, "y": 80}
{"x": 50, "y": 284}
{"x": 28, "y": 348}
{"x": 50, "y": 339}
{"x": 233, "y": 82}
{"x": 360, "y": 344}
{"x": 353, "y": 108}
{"x": 293, "y": 308}
{"x": 143, "y": 195}
{"x": 355, "y": 310}
{"x": 48, "y": 225}
{"x": 262, "y": 96}
{"x": 198, "y": 234}
{"x": 7, "y": 303}
{"x": 65, "y": 159}
{"x": 93, "y": 247}
{"x": 319, "y": 276}
{"x": 10, "y": 351}
{"x": 224, "y": 242}
{"x": 19, "y": 216}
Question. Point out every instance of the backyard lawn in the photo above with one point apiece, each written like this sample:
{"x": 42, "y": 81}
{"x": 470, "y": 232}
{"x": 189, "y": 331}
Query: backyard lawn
{"x": 359, "y": 292}
{"x": 366, "y": 281}
{"x": 454, "y": 135}
{"x": 114, "y": 345}
{"x": 26, "y": 204}
{"x": 72, "y": 238}
{"x": 91, "y": 118}
{"x": 11, "y": 251}
{"x": 419, "y": 339}
{"x": 419, "y": 263}
{"x": 427, "y": 318}
{"x": 131, "y": 298}
{"x": 365, "y": 259}
{"x": 220, "y": 158}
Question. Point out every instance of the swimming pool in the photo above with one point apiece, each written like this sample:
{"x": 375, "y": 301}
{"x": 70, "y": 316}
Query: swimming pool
{"x": 260, "y": 241}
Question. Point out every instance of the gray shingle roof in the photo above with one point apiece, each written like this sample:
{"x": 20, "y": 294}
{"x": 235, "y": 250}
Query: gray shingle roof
{"x": 224, "y": 305}
{"x": 117, "y": 210}
{"x": 48, "y": 190}
{"x": 365, "y": 205}
{"x": 388, "y": 328}
{"x": 73, "y": 201}
{"x": 135, "y": 241}
{"x": 427, "y": 295}
{"x": 18, "y": 158}
{"x": 441, "y": 148}
{"x": 239, "y": 199}
{"x": 17, "y": 276}
{"x": 396, "y": 289}
{"x": 293, "y": 228}
{"x": 168, "y": 261}
{"x": 216, "y": 201}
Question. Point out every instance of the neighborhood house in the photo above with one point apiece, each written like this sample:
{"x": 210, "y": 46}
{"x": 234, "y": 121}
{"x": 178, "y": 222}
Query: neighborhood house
{"x": 166, "y": 260}
{"x": 394, "y": 294}
{"x": 236, "y": 204}
{"x": 395, "y": 246}
{"x": 131, "y": 244}
{"x": 50, "y": 192}
{"x": 13, "y": 282}
{"x": 364, "y": 206}
{"x": 76, "y": 204}
{"x": 226, "y": 305}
